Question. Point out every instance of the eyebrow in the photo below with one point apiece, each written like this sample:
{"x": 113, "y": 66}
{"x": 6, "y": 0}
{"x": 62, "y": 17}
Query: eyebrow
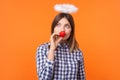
{"x": 68, "y": 24}
{"x": 64, "y": 24}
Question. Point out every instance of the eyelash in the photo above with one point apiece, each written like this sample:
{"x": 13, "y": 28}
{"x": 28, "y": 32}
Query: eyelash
{"x": 67, "y": 26}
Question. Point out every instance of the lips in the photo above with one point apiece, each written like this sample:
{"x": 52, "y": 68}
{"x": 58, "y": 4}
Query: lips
{"x": 62, "y": 34}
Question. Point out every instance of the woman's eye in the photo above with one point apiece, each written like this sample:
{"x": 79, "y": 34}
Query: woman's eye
{"x": 67, "y": 26}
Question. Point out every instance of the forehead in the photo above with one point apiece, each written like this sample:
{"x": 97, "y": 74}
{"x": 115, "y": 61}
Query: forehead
{"x": 63, "y": 21}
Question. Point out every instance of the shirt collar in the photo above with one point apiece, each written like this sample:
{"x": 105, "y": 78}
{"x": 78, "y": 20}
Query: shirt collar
{"x": 63, "y": 45}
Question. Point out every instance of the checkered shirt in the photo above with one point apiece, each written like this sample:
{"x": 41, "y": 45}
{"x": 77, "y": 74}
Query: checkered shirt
{"x": 66, "y": 65}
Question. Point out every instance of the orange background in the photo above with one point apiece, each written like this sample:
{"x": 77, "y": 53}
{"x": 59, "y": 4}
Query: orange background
{"x": 25, "y": 24}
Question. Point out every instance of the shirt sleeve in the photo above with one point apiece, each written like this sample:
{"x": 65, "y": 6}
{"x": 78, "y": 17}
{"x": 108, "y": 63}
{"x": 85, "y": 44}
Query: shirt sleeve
{"x": 44, "y": 66}
{"x": 81, "y": 68}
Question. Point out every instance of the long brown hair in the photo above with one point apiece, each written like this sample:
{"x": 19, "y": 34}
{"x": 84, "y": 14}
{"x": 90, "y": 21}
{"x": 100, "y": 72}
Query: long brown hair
{"x": 71, "y": 40}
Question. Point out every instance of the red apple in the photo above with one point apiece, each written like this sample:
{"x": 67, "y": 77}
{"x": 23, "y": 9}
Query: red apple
{"x": 62, "y": 33}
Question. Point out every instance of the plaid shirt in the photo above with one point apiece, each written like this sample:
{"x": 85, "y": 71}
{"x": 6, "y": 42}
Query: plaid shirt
{"x": 66, "y": 65}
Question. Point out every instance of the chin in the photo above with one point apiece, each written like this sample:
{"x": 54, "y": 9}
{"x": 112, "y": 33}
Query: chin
{"x": 64, "y": 39}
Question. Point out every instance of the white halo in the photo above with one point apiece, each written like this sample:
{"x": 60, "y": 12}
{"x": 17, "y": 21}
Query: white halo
{"x": 65, "y": 8}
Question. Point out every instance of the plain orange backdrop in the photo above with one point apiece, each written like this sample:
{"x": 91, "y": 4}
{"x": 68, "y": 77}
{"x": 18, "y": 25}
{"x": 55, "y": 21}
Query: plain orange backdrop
{"x": 25, "y": 24}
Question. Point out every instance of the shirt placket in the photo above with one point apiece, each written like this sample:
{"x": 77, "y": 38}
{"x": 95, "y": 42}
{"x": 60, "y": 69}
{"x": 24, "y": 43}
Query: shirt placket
{"x": 65, "y": 65}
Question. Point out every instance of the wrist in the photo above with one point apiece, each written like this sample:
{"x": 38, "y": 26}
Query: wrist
{"x": 51, "y": 55}
{"x": 52, "y": 49}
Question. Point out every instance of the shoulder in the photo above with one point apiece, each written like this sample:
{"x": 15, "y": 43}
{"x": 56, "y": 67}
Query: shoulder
{"x": 42, "y": 50}
{"x": 43, "y": 46}
{"x": 78, "y": 53}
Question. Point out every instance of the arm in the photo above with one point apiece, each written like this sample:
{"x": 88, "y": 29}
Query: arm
{"x": 81, "y": 71}
{"x": 45, "y": 58}
{"x": 44, "y": 65}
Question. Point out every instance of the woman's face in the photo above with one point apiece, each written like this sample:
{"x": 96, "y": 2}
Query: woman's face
{"x": 63, "y": 25}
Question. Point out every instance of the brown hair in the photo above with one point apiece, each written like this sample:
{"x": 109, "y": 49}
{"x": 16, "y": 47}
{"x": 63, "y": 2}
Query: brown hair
{"x": 71, "y": 40}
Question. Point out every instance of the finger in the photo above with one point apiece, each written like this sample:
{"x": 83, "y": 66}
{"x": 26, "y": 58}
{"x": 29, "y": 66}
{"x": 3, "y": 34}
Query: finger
{"x": 54, "y": 36}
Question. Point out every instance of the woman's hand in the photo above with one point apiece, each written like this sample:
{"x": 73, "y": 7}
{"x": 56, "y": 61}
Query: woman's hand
{"x": 54, "y": 40}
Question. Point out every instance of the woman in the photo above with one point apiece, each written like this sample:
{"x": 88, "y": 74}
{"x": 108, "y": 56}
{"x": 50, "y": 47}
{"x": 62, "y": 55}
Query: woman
{"x": 60, "y": 59}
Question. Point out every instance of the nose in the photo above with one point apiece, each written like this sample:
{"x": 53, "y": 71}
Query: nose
{"x": 62, "y": 28}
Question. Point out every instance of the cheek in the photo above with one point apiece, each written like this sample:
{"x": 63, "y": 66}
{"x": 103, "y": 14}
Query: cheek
{"x": 67, "y": 36}
{"x": 55, "y": 30}
{"x": 68, "y": 33}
